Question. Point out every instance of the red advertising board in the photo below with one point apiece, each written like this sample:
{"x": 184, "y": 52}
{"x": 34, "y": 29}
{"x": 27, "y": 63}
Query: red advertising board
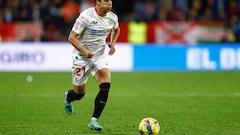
{"x": 20, "y": 31}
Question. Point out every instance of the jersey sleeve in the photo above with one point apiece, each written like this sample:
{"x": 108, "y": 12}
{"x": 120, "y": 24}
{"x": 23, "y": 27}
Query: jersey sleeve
{"x": 80, "y": 24}
{"x": 116, "y": 24}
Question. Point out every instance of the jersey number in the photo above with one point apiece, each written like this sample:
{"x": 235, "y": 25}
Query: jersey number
{"x": 80, "y": 71}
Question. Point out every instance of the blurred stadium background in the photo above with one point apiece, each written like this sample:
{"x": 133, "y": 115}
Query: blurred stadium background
{"x": 165, "y": 21}
{"x": 179, "y": 34}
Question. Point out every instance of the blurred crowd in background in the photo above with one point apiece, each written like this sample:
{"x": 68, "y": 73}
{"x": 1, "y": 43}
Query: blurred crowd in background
{"x": 59, "y": 15}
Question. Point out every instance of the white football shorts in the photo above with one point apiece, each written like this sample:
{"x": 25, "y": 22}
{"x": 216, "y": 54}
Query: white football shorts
{"x": 83, "y": 66}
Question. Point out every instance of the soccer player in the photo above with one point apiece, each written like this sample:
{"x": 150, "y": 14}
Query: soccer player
{"x": 88, "y": 36}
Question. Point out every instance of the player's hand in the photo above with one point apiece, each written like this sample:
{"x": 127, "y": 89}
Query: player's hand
{"x": 88, "y": 54}
{"x": 111, "y": 50}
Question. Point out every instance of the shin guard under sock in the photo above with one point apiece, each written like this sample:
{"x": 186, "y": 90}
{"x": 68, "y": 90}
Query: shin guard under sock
{"x": 72, "y": 96}
{"x": 101, "y": 99}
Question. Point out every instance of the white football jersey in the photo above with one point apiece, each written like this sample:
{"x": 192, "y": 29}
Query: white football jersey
{"x": 94, "y": 29}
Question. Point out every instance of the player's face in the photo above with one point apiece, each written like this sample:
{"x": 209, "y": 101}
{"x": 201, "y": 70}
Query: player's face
{"x": 106, "y": 5}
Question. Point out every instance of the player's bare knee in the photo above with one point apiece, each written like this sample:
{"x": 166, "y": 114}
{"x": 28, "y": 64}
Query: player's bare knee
{"x": 79, "y": 89}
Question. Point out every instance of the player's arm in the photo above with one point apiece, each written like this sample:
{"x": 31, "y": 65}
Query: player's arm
{"x": 114, "y": 36}
{"x": 73, "y": 39}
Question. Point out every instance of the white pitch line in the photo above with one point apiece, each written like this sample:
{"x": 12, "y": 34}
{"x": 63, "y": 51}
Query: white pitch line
{"x": 178, "y": 94}
{"x": 91, "y": 94}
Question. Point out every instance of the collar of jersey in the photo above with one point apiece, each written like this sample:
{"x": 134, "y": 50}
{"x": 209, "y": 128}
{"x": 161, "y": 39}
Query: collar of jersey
{"x": 98, "y": 12}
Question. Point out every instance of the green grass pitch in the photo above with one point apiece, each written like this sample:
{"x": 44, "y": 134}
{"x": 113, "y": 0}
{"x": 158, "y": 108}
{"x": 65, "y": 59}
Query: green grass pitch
{"x": 184, "y": 103}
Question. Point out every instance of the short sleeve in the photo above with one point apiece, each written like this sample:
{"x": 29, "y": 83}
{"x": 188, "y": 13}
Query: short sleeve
{"x": 80, "y": 24}
{"x": 116, "y": 25}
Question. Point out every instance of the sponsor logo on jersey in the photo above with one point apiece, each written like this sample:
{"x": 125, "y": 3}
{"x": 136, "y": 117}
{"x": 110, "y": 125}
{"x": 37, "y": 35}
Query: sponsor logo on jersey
{"x": 99, "y": 32}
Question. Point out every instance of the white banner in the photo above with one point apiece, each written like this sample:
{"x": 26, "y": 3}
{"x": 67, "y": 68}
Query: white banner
{"x": 53, "y": 57}
{"x": 122, "y": 60}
